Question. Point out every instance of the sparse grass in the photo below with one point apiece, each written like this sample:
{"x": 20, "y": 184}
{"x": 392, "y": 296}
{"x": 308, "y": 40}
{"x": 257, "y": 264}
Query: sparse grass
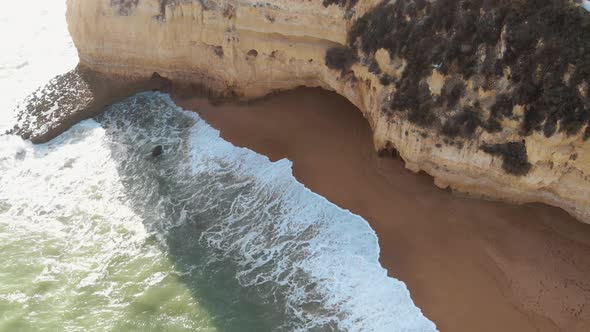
{"x": 124, "y": 7}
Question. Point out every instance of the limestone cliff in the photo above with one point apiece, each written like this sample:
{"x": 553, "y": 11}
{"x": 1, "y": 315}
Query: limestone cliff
{"x": 489, "y": 97}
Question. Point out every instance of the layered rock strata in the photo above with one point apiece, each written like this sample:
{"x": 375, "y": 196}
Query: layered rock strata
{"x": 491, "y": 98}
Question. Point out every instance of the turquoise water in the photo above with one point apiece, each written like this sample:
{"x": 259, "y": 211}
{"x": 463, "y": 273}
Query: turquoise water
{"x": 97, "y": 235}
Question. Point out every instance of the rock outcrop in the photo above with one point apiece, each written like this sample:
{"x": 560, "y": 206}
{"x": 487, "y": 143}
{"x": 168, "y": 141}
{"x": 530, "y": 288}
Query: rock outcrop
{"x": 489, "y": 97}
{"x": 72, "y": 97}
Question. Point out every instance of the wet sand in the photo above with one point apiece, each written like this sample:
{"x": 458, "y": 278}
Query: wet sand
{"x": 471, "y": 265}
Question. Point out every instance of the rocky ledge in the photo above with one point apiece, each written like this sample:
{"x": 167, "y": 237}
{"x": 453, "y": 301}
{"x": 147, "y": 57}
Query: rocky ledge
{"x": 72, "y": 97}
{"x": 490, "y": 97}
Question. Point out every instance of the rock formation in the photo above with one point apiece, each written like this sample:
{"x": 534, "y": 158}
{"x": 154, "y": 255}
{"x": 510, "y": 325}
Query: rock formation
{"x": 490, "y": 97}
{"x": 72, "y": 97}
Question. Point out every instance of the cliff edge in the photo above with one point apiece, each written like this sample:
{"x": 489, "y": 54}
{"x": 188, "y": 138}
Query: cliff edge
{"x": 491, "y": 98}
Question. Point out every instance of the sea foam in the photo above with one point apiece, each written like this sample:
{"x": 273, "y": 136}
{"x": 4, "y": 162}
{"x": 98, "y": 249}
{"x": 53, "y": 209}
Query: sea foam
{"x": 318, "y": 262}
{"x": 98, "y": 236}
{"x": 94, "y": 205}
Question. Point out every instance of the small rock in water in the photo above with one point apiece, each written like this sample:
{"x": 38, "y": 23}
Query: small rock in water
{"x": 157, "y": 151}
{"x": 20, "y": 154}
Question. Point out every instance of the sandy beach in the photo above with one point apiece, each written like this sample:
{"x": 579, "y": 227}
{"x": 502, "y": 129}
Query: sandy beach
{"x": 470, "y": 265}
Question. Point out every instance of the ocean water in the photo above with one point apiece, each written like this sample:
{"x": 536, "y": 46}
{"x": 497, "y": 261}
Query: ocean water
{"x": 97, "y": 235}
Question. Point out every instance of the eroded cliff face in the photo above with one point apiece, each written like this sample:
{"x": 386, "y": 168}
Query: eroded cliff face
{"x": 489, "y": 97}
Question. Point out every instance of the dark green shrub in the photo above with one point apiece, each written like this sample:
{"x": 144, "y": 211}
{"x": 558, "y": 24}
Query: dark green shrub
{"x": 341, "y": 3}
{"x": 514, "y": 155}
{"x": 447, "y": 34}
{"x": 341, "y": 58}
{"x": 462, "y": 124}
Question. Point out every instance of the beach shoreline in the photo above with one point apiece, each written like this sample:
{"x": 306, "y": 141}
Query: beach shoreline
{"x": 470, "y": 265}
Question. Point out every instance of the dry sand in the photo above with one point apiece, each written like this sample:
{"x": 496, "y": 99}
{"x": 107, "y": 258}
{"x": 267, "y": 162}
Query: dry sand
{"x": 471, "y": 265}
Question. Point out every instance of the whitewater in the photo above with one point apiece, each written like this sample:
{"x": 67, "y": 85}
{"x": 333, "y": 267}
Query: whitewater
{"x": 98, "y": 235}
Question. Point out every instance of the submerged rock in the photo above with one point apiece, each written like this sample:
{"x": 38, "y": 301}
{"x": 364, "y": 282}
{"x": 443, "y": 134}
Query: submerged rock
{"x": 157, "y": 151}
